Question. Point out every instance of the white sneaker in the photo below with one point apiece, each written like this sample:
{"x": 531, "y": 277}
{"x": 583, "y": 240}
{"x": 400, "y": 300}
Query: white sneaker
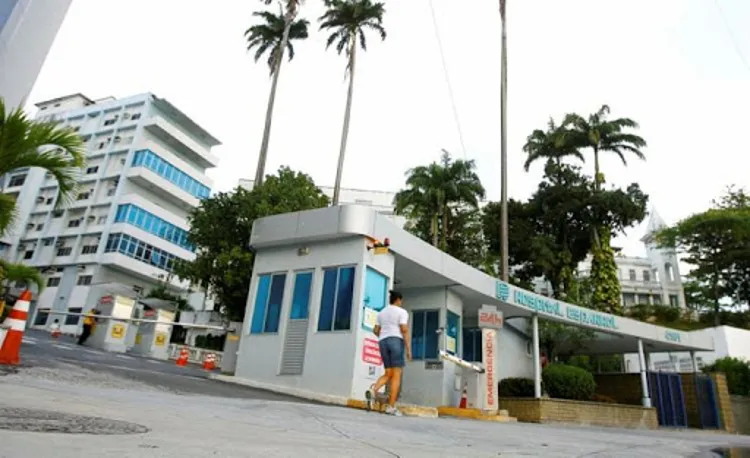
{"x": 393, "y": 411}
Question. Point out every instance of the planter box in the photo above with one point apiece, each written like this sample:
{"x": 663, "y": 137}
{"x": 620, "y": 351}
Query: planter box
{"x": 583, "y": 413}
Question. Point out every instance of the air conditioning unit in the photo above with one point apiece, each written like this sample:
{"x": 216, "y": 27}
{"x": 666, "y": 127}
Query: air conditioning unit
{"x": 59, "y": 244}
{"x": 21, "y": 247}
{"x": 122, "y": 161}
{"x": 126, "y": 116}
{"x": 92, "y": 218}
{"x": 30, "y": 226}
{"x": 40, "y": 199}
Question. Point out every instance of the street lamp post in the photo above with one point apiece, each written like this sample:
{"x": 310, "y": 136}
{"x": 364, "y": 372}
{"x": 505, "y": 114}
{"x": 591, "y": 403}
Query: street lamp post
{"x": 503, "y": 147}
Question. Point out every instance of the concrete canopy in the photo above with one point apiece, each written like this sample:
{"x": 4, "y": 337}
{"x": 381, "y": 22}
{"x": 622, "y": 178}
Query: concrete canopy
{"x": 418, "y": 264}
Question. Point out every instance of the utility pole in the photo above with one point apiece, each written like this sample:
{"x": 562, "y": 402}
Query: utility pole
{"x": 503, "y": 147}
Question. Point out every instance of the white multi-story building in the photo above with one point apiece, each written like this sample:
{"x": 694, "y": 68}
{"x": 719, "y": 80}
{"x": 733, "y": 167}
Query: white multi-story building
{"x": 27, "y": 30}
{"x": 381, "y": 201}
{"x": 653, "y": 279}
{"x": 126, "y": 225}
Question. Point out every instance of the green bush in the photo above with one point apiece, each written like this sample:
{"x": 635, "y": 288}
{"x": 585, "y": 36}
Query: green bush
{"x": 568, "y": 382}
{"x": 641, "y": 312}
{"x": 666, "y": 313}
{"x": 737, "y": 372}
{"x": 516, "y": 387}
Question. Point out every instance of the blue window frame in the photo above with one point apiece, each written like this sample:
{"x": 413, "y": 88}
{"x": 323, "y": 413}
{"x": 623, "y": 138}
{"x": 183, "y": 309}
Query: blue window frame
{"x": 152, "y": 161}
{"x": 453, "y": 332}
{"x": 140, "y": 250}
{"x": 472, "y": 344}
{"x": 301, "y": 296}
{"x": 152, "y": 224}
{"x": 424, "y": 336}
{"x": 336, "y": 299}
{"x": 268, "y": 300}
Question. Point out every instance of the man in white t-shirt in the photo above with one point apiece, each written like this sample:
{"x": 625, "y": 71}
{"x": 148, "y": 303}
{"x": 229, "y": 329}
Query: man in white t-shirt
{"x": 392, "y": 329}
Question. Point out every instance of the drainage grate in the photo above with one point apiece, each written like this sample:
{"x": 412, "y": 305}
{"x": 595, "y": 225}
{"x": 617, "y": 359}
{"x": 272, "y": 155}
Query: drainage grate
{"x": 47, "y": 421}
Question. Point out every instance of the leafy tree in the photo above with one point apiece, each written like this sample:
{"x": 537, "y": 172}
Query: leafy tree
{"x": 221, "y": 228}
{"x": 697, "y": 295}
{"x": 347, "y": 21}
{"x": 604, "y": 135}
{"x": 275, "y": 33}
{"x": 11, "y": 273}
{"x": 45, "y": 144}
{"x": 715, "y": 242}
{"x": 434, "y": 193}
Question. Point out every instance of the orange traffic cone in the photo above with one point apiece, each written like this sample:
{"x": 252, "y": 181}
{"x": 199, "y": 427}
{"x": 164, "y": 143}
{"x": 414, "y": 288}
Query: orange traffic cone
{"x": 209, "y": 362}
{"x": 56, "y": 333}
{"x": 464, "y": 399}
{"x": 10, "y": 350}
{"x": 182, "y": 360}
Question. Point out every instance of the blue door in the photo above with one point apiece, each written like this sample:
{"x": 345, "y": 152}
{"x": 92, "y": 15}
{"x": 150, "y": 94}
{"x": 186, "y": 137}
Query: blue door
{"x": 375, "y": 297}
{"x": 668, "y": 398}
{"x": 708, "y": 409}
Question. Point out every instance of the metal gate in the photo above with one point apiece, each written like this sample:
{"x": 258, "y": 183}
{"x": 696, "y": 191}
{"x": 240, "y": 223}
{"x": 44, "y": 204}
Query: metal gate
{"x": 708, "y": 410}
{"x": 667, "y": 397}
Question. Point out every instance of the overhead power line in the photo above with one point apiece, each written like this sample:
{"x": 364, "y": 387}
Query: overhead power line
{"x": 732, "y": 36}
{"x": 447, "y": 79}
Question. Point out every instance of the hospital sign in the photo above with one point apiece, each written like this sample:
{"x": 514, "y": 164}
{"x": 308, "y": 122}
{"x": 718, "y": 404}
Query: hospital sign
{"x": 552, "y": 307}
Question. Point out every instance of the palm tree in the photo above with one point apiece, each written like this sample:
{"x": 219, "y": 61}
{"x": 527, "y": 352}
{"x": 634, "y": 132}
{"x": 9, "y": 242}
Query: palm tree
{"x": 19, "y": 274}
{"x": 601, "y": 134}
{"x": 435, "y": 190}
{"x": 555, "y": 143}
{"x": 28, "y": 143}
{"x": 275, "y": 33}
{"x": 347, "y": 21}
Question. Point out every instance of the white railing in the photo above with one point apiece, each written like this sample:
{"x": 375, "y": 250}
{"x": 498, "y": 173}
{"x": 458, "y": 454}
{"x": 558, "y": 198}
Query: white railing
{"x": 195, "y": 354}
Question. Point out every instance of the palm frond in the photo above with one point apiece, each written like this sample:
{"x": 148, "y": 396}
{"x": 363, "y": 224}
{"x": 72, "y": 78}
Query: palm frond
{"x": 7, "y": 212}
{"x": 21, "y": 273}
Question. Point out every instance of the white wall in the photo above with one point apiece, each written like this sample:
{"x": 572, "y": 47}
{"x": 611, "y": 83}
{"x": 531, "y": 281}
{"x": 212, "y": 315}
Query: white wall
{"x": 330, "y": 356}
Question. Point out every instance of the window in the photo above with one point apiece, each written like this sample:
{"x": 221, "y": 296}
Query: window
{"x": 53, "y": 281}
{"x": 64, "y": 251}
{"x": 111, "y": 192}
{"x": 631, "y": 274}
{"x": 48, "y": 242}
{"x": 152, "y": 224}
{"x": 72, "y": 320}
{"x": 109, "y": 122}
{"x": 74, "y": 223}
{"x": 673, "y": 300}
{"x": 656, "y": 299}
{"x": 628, "y": 299}
{"x": 84, "y": 280}
{"x": 452, "y": 328}
{"x": 57, "y": 213}
{"x": 336, "y": 299}
{"x": 472, "y": 344}
{"x": 39, "y": 227}
{"x": 647, "y": 275}
{"x": 83, "y": 196}
{"x": 17, "y": 180}
{"x": 101, "y": 220}
{"x": 301, "y": 296}
{"x": 135, "y": 116}
{"x": 140, "y": 250}
{"x": 29, "y": 254}
{"x": 268, "y": 301}
{"x": 89, "y": 249}
{"x": 150, "y": 160}
{"x": 424, "y": 337}
{"x": 49, "y": 201}
{"x": 669, "y": 272}
{"x": 655, "y": 275}
{"x": 92, "y": 170}
{"x": 41, "y": 317}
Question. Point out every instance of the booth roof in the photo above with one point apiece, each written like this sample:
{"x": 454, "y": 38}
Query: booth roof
{"x": 420, "y": 265}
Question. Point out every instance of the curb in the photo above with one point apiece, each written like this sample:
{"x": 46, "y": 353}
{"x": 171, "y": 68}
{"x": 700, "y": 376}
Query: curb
{"x": 475, "y": 414}
{"x": 408, "y": 410}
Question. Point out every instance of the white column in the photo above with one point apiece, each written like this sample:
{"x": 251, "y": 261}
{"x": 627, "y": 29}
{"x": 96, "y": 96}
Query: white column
{"x": 535, "y": 355}
{"x": 694, "y": 362}
{"x": 646, "y": 398}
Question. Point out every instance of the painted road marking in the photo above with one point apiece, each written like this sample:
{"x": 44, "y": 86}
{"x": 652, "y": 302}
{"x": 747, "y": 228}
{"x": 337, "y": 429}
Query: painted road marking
{"x": 93, "y": 352}
{"x": 123, "y": 357}
{"x": 153, "y": 361}
{"x": 64, "y": 347}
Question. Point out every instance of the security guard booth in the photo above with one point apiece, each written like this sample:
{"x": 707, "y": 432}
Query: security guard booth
{"x": 152, "y": 339}
{"x": 110, "y": 333}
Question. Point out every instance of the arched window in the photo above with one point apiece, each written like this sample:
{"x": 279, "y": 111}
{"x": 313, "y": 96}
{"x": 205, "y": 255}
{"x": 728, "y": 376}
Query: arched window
{"x": 669, "y": 272}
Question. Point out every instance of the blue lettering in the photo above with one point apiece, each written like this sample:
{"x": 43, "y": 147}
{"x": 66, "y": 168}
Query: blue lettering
{"x": 591, "y": 318}
{"x": 672, "y": 336}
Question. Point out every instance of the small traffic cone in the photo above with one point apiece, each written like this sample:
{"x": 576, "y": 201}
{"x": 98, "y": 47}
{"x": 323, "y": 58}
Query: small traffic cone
{"x": 182, "y": 360}
{"x": 209, "y": 362}
{"x": 464, "y": 399}
{"x": 56, "y": 333}
{"x": 10, "y": 353}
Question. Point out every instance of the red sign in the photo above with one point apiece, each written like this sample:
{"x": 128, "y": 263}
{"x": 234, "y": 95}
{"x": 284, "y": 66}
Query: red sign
{"x": 106, "y": 300}
{"x": 371, "y": 352}
{"x": 489, "y": 356}
{"x": 490, "y": 319}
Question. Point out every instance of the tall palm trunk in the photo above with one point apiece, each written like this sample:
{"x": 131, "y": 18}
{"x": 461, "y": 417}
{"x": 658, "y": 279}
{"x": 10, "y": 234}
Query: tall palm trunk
{"x": 347, "y": 117}
{"x": 260, "y": 171}
{"x": 597, "y": 174}
{"x": 434, "y": 229}
{"x": 444, "y": 241}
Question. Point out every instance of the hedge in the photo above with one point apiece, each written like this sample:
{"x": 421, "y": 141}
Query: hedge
{"x": 568, "y": 382}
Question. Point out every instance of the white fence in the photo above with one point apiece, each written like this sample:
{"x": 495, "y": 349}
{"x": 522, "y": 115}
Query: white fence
{"x": 195, "y": 354}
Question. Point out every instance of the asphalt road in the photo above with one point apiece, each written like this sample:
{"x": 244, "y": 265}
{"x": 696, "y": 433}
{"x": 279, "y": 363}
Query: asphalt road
{"x": 40, "y": 350}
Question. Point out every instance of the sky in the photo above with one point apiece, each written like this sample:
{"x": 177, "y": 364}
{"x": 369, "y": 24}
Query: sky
{"x": 672, "y": 65}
